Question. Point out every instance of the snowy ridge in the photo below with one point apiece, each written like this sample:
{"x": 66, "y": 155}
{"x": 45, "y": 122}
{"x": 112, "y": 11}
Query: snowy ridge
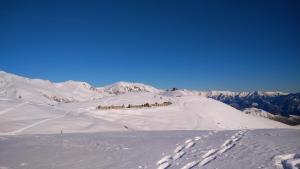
{"x": 125, "y": 87}
{"x": 38, "y": 90}
{"x": 258, "y": 112}
{"x": 42, "y": 90}
{"x": 220, "y": 94}
{"x": 215, "y": 93}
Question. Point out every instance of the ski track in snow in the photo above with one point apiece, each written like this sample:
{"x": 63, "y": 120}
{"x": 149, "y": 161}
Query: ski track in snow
{"x": 209, "y": 156}
{"x": 12, "y": 108}
{"x": 18, "y": 131}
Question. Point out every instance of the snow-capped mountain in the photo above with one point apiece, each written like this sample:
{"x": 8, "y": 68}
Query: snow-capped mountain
{"x": 45, "y": 91}
{"x": 24, "y": 108}
{"x": 258, "y": 112}
{"x": 286, "y": 106}
{"x": 86, "y": 98}
{"x": 125, "y": 87}
{"x": 224, "y": 94}
{"x": 277, "y": 103}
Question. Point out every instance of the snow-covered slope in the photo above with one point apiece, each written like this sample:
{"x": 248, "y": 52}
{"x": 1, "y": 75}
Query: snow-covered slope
{"x": 31, "y": 113}
{"x": 38, "y": 90}
{"x": 258, "y": 112}
{"x": 186, "y": 113}
{"x": 241, "y": 149}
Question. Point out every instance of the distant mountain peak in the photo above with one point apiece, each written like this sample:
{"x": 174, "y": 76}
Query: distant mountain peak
{"x": 124, "y": 87}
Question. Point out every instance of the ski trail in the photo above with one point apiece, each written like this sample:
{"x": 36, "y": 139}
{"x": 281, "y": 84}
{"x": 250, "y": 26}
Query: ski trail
{"x": 12, "y": 108}
{"x": 18, "y": 131}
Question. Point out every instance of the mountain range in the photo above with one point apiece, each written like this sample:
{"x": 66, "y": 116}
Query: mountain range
{"x": 283, "y": 107}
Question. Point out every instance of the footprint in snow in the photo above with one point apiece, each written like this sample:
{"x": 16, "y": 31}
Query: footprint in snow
{"x": 207, "y": 160}
{"x": 164, "y": 160}
{"x": 178, "y": 155}
{"x": 179, "y": 148}
{"x": 189, "y": 145}
{"x": 164, "y": 166}
{"x": 190, "y": 165}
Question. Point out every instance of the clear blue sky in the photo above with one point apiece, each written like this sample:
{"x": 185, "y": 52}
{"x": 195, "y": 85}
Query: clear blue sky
{"x": 202, "y": 44}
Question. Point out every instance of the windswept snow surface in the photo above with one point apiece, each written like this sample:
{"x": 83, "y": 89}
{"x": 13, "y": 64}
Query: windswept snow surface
{"x": 267, "y": 148}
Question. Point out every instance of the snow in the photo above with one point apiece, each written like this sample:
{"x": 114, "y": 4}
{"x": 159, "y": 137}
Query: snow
{"x": 188, "y": 141}
{"x": 258, "y": 112}
{"x": 164, "y": 166}
{"x": 226, "y": 148}
{"x": 209, "y": 153}
{"x": 44, "y": 91}
{"x": 46, "y": 107}
{"x": 287, "y": 161}
{"x": 56, "y": 125}
{"x": 124, "y": 87}
{"x": 255, "y": 149}
{"x": 178, "y": 155}
{"x": 186, "y": 113}
{"x": 214, "y": 93}
{"x": 190, "y": 165}
{"x": 178, "y": 149}
{"x": 164, "y": 159}
{"x": 227, "y": 142}
{"x": 189, "y": 145}
{"x": 207, "y": 160}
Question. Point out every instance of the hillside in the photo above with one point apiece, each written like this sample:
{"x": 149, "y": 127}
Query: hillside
{"x": 71, "y": 107}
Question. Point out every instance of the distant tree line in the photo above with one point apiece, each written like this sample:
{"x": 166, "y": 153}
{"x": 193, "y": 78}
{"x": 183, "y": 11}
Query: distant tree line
{"x": 129, "y": 106}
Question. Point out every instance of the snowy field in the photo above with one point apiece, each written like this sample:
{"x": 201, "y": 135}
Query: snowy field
{"x": 153, "y": 149}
